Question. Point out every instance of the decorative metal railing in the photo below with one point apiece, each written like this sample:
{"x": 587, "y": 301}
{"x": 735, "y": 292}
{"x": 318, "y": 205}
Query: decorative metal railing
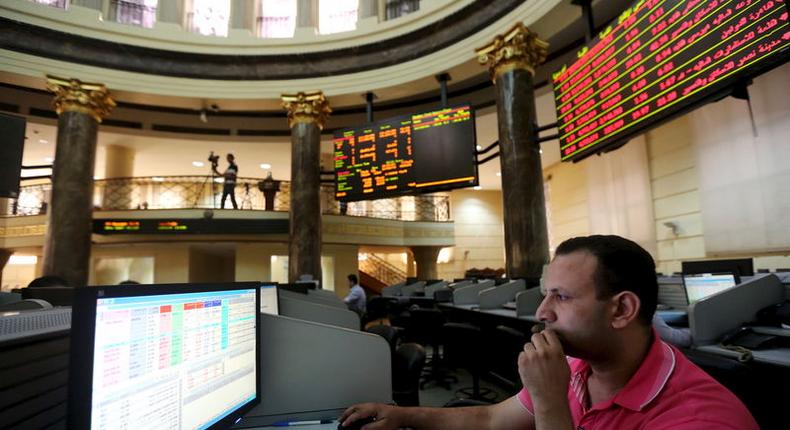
{"x": 382, "y": 270}
{"x": 205, "y": 192}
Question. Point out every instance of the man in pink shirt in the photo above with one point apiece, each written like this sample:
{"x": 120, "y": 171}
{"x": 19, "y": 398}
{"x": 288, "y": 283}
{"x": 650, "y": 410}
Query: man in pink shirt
{"x": 597, "y": 365}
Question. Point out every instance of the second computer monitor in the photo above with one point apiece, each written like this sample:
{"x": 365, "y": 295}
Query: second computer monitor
{"x": 164, "y": 356}
{"x": 701, "y": 285}
{"x": 737, "y": 266}
{"x": 269, "y": 300}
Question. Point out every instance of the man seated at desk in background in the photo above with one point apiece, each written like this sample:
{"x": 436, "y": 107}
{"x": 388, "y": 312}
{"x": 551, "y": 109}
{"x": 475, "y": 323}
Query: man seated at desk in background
{"x": 598, "y": 364}
{"x": 356, "y": 299}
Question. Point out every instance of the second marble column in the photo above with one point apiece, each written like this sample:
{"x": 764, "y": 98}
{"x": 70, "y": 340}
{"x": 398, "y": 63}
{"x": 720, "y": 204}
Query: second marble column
{"x": 512, "y": 59}
{"x": 307, "y": 113}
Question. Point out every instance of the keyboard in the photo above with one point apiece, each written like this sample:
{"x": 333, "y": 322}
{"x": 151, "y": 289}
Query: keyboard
{"x": 31, "y": 324}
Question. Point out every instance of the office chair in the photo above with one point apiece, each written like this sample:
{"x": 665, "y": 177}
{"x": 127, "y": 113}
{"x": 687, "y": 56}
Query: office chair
{"x": 379, "y": 307}
{"x": 407, "y": 365}
{"x": 465, "y": 347}
{"x": 506, "y": 345}
{"x": 389, "y": 333}
{"x": 424, "y": 326}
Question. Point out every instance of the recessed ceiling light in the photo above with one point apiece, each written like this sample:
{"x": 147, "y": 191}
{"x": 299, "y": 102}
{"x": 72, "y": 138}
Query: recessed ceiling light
{"x": 43, "y": 141}
{"x": 158, "y": 179}
{"x": 266, "y": 166}
{"x": 478, "y": 188}
{"x": 479, "y": 147}
{"x": 198, "y": 163}
{"x": 499, "y": 173}
{"x": 49, "y": 159}
{"x": 541, "y": 150}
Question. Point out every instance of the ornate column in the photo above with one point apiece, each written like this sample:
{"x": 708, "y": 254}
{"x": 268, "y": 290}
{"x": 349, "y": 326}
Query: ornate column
{"x": 80, "y": 107}
{"x": 425, "y": 257}
{"x": 511, "y": 59}
{"x": 5, "y": 255}
{"x": 307, "y": 113}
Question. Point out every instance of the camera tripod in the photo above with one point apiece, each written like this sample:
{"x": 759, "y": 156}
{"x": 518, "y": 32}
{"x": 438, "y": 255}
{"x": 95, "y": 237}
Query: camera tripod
{"x": 203, "y": 186}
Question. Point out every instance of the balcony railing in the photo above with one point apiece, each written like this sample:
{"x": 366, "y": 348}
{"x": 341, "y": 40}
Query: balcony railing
{"x": 204, "y": 192}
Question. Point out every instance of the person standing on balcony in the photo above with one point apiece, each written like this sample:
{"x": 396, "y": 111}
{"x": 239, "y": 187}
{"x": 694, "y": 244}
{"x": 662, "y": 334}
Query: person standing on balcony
{"x": 229, "y": 185}
{"x": 355, "y": 300}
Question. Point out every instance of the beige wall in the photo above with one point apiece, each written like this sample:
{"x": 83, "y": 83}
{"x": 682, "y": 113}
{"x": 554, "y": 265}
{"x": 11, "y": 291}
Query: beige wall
{"x": 210, "y": 265}
{"x": 345, "y": 262}
{"x": 674, "y": 183}
{"x": 479, "y": 232}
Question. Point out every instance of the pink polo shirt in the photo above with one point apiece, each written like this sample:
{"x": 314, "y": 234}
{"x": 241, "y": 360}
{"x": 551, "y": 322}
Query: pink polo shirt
{"x": 667, "y": 392}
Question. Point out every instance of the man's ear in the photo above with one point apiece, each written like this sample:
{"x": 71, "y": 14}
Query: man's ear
{"x": 625, "y": 308}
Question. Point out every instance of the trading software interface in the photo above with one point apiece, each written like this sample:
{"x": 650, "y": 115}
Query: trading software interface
{"x": 269, "y": 299}
{"x": 703, "y": 285}
{"x": 175, "y": 361}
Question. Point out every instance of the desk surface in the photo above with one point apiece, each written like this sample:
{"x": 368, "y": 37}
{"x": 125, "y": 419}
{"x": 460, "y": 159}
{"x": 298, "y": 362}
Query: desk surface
{"x": 777, "y": 356}
{"x": 501, "y": 312}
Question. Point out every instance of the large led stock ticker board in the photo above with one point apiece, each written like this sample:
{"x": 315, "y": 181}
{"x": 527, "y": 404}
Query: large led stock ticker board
{"x": 661, "y": 58}
{"x": 410, "y": 154}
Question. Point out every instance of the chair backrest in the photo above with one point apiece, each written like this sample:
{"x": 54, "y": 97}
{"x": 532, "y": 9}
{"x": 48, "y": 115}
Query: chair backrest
{"x": 407, "y": 367}
{"x": 463, "y": 345}
{"x": 389, "y": 333}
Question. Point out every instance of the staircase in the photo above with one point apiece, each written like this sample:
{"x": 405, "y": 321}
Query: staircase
{"x": 375, "y": 273}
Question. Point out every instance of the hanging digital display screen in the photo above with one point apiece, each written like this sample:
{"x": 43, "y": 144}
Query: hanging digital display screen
{"x": 189, "y": 226}
{"x": 411, "y": 154}
{"x": 661, "y": 58}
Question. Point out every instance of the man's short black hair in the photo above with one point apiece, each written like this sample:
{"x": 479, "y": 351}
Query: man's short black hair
{"x": 353, "y": 278}
{"x": 623, "y": 265}
{"x": 48, "y": 281}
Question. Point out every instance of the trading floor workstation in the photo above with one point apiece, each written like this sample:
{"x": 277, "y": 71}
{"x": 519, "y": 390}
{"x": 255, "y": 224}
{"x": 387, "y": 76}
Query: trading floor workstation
{"x": 187, "y": 356}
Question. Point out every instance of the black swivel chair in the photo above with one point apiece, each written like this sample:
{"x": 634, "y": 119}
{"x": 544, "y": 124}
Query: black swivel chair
{"x": 424, "y": 326}
{"x": 465, "y": 347}
{"x": 379, "y": 307}
{"x": 506, "y": 345}
{"x": 407, "y": 364}
{"x": 389, "y": 333}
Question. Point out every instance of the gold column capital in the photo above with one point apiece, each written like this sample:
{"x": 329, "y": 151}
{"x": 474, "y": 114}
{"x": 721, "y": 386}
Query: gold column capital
{"x": 306, "y": 107}
{"x": 86, "y": 97}
{"x": 518, "y": 48}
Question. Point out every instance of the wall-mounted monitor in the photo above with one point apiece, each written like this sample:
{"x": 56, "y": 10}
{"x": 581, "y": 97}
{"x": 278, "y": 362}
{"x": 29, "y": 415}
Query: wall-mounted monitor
{"x": 411, "y": 154}
{"x": 659, "y": 59}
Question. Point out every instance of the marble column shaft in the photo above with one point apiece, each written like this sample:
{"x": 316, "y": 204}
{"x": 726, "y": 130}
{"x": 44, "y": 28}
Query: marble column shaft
{"x": 304, "y": 249}
{"x": 526, "y": 233}
{"x": 425, "y": 257}
{"x": 67, "y": 248}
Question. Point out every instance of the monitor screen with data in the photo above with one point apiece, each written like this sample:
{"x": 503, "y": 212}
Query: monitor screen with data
{"x": 165, "y": 357}
{"x": 701, "y": 285}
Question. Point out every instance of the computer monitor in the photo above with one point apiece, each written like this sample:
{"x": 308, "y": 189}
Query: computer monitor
{"x": 182, "y": 356}
{"x": 701, "y": 285}
{"x": 269, "y": 300}
{"x": 738, "y": 266}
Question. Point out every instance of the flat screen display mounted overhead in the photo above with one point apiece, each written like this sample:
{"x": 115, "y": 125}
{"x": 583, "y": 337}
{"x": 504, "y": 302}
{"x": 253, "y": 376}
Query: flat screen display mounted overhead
{"x": 411, "y": 154}
{"x": 659, "y": 59}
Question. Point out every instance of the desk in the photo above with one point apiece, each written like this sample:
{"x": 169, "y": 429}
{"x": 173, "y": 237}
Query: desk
{"x": 488, "y": 318}
{"x": 776, "y": 356}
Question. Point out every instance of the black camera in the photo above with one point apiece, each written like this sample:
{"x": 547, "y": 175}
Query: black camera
{"x": 214, "y": 159}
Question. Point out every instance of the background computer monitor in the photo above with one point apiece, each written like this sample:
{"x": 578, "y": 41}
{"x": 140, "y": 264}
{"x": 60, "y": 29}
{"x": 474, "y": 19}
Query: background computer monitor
{"x": 164, "y": 356}
{"x": 701, "y": 285}
{"x": 269, "y": 300}
{"x": 737, "y": 266}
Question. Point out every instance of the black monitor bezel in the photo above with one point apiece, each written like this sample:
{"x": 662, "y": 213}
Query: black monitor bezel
{"x": 83, "y": 333}
{"x": 738, "y": 266}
